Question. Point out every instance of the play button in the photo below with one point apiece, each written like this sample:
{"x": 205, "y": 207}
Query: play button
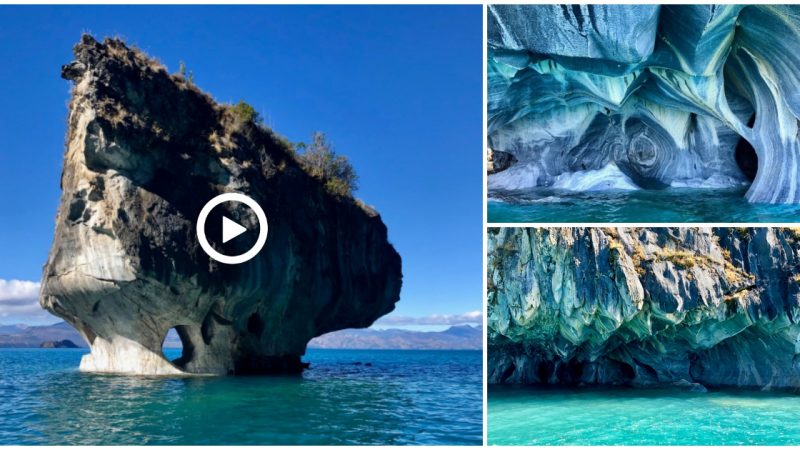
{"x": 231, "y": 229}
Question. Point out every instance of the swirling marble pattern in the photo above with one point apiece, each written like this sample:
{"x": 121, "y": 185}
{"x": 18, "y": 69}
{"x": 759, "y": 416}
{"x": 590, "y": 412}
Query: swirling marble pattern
{"x": 664, "y": 92}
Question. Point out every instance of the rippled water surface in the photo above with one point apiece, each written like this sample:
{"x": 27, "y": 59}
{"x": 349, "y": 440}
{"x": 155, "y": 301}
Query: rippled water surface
{"x": 668, "y": 205}
{"x": 641, "y": 417}
{"x": 402, "y": 397}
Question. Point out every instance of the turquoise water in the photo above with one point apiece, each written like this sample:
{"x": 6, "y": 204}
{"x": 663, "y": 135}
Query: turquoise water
{"x": 668, "y": 205}
{"x": 641, "y": 417}
{"x": 403, "y": 397}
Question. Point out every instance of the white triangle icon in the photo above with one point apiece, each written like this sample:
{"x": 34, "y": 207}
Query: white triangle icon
{"x": 230, "y": 229}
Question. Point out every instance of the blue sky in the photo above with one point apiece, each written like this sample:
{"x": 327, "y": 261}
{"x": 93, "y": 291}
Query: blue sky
{"x": 396, "y": 89}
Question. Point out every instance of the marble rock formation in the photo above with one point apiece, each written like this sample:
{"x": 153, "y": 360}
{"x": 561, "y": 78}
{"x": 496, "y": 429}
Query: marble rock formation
{"x": 145, "y": 151}
{"x": 689, "y": 307}
{"x": 656, "y": 96}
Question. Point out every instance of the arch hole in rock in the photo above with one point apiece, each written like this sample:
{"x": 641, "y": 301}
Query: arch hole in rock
{"x": 177, "y": 347}
{"x": 746, "y": 157}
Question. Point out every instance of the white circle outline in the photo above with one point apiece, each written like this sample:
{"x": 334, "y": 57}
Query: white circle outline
{"x": 262, "y": 225}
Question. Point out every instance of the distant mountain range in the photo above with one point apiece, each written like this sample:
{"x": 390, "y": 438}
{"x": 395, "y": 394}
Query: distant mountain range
{"x": 34, "y": 336}
{"x": 462, "y": 337}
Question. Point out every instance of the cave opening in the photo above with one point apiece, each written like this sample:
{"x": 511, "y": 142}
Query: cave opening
{"x": 543, "y": 371}
{"x": 255, "y": 324}
{"x": 570, "y": 372}
{"x": 746, "y": 157}
{"x": 177, "y": 347}
{"x": 627, "y": 371}
{"x": 649, "y": 370}
{"x": 508, "y": 372}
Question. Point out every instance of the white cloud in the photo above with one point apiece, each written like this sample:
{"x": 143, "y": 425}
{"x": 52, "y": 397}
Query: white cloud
{"x": 18, "y": 289}
{"x": 19, "y": 302}
{"x": 471, "y": 317}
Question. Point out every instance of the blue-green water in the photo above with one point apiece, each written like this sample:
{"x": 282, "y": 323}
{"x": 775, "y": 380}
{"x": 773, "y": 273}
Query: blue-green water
{"x": 641, "y": 417}
{"x": 403, "y": 397}
{"x": 668, "y": 205}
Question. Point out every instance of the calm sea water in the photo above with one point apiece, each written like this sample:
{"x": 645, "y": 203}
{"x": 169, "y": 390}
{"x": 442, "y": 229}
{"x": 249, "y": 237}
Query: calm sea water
{"x": 668, "y": 205}
{"x": 641, "y": 417}
{"x": 403, "y": 397}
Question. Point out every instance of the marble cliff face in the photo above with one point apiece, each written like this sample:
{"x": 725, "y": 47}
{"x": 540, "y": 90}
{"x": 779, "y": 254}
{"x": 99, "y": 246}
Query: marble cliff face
{"x": 635, "y": 306}
{"x": 646, "y": 96}
{"x": 145, "y": 151}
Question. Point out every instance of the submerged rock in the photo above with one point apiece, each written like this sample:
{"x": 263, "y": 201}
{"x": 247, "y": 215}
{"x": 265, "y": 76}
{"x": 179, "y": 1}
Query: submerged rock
{"x": 145, "y": 151}
{"x": 687, "y": 307}
{"x": 673, "y": 95}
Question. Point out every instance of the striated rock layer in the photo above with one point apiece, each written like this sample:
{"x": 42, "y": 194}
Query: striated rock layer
{"x": 145, "y": 151}
{"x": 636, "y": 306}
{"x": 672, "y": 95}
